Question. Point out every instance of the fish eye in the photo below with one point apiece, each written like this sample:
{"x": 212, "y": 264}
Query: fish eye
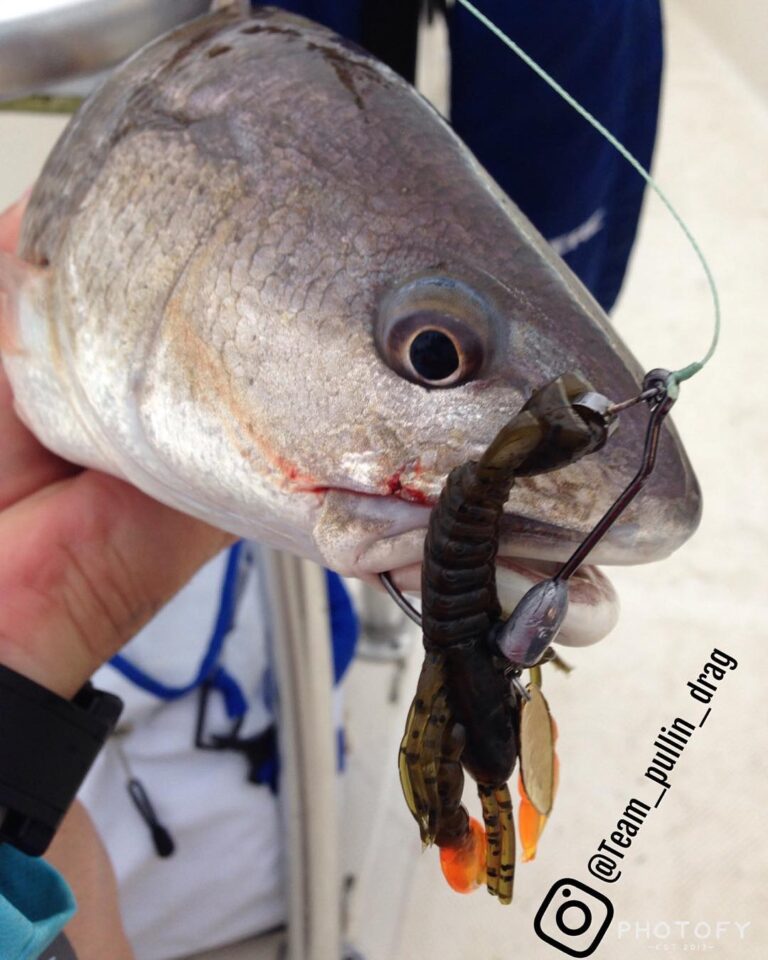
{"x": 433, "y": 332}
{"x": 432, "y": 349}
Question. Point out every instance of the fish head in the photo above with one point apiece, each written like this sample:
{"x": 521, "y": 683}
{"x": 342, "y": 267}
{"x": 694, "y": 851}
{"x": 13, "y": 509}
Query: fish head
{"x": 286, "y": 298}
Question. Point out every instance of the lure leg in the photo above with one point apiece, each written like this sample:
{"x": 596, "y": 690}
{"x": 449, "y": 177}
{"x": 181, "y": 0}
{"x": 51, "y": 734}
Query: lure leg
{"x": 461, "y": 838}
{"x": 507, "y": 857}
{"x": 453, "y": 820}
{"x": 491, "y": 820}
{"x": 500, "y": 828}
{"x": 421, "y": 748}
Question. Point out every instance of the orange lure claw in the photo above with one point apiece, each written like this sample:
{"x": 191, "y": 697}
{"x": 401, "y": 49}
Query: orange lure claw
{"x": 463, "y": 866}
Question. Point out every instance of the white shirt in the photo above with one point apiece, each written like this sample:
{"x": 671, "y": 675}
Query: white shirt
{"x": 225, "y": 879}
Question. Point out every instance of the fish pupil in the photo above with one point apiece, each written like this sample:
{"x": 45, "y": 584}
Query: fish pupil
{"x": 433, "y": 355}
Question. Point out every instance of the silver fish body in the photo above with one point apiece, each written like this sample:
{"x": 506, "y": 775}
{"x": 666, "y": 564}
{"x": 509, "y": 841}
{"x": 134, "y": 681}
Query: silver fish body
{"x": 223, "y": 271}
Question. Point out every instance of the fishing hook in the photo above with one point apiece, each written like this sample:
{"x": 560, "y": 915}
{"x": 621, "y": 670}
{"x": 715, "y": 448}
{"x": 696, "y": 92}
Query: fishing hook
{"x": 405, "y": 605}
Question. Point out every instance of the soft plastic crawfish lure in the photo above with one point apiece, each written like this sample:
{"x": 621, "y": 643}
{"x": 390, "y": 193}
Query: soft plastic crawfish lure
{"x": 465, "y": 715}
{"x": 467, "y": 711}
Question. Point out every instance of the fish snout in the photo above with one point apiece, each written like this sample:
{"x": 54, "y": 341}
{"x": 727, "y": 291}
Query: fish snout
{"x": 548, "y": 516}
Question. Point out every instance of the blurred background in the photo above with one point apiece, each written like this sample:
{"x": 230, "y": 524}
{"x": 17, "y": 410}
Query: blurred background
{"x": 701, "y": 857}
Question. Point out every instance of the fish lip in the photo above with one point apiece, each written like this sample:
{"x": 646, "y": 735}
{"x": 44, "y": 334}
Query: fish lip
{"x": 535, "y": 568}
{"x": 521, "y": 537}
{"x": 593, "y": 607}
{"x": 532, "y": 552}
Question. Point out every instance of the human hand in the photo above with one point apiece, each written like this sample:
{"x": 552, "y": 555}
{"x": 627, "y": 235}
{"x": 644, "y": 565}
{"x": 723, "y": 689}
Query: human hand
{"x": 85, "y": 559}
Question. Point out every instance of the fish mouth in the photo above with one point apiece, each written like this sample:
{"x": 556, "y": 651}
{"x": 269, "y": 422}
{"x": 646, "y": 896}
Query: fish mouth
{"x": 593, "y": 604}
{"x": 365, "y": 536}
{"x": 365, "y": 533}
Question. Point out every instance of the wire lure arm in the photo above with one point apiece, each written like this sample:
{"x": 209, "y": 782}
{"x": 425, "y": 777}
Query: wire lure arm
{"x": 656, "y": 393}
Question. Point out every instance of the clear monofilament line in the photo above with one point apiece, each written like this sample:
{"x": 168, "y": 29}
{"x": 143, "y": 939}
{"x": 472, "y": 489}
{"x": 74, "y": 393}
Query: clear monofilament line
{"x": 685, "y": 373}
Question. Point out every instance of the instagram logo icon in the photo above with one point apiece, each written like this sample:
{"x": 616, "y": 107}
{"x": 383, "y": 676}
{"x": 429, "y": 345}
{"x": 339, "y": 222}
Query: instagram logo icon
{"x": 573, "y": 918}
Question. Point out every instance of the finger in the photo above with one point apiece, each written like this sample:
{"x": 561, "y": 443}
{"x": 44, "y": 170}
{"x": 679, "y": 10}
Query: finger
{"x": 25, "y": 465}
{"x": 93, "y": 560}
{"x": 10, "y": 223}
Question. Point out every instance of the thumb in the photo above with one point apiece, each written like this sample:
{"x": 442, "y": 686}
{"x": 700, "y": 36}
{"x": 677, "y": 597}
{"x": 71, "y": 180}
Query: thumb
{"x": 84, "y": 564}
{"x": 10, "y": 223}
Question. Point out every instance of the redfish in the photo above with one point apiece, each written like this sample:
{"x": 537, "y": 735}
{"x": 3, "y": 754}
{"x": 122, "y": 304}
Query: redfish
{"x": 261, "y": 279}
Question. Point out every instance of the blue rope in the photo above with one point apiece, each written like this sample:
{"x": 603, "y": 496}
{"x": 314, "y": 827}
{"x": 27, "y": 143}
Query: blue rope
{"x": 208, "y": 666}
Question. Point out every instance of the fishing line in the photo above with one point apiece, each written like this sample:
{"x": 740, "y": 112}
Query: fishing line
{"x": 685, "y": 373}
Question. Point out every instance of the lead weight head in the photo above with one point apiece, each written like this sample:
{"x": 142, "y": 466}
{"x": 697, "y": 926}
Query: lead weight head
{"x": 533, "y": 624}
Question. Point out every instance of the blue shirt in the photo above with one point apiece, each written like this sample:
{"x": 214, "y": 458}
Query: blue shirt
{"x": 35, "y": 904}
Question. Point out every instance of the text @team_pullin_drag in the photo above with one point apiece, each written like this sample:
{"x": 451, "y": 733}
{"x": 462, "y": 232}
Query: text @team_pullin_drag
{"x": 669, "y": 745}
